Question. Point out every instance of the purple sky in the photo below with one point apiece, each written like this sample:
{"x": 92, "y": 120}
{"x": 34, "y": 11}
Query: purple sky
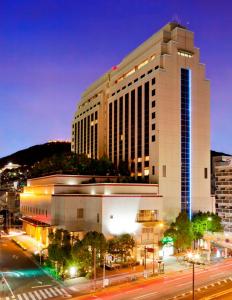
{"x": 51, "y": 50}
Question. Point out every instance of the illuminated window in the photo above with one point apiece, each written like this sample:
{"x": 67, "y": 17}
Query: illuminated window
{"x": 142, "y": 64}
{"x": 185, "y": 53}
{"x": 130, "y": 72}
{"x": 146, "y": 172}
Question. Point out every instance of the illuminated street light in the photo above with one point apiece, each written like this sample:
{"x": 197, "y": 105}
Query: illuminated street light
{"x": 193, "y": 258}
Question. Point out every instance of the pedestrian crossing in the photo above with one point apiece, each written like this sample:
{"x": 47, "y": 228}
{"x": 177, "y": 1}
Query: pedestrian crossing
{"x": 40, "y": 294}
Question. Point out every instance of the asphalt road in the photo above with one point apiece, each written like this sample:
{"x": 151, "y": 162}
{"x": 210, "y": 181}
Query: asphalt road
{"x": 166, "y": 287}
{"x": 21, "y": 277}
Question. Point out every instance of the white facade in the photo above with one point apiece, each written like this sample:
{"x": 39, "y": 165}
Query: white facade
{"x": 153, "y": 111}
{"x": 110, "y": 208}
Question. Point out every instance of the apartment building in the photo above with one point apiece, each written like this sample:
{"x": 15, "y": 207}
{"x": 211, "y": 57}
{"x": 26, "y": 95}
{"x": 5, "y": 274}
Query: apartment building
{"x": 153, "y": 111}
{"x": 222, "y": 167}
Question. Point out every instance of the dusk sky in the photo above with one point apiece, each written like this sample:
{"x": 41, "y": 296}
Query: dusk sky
{"x": 51, "y": 50}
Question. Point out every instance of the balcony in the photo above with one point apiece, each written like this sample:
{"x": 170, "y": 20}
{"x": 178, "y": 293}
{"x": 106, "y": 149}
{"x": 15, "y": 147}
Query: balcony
{"x": 144, "y": 216}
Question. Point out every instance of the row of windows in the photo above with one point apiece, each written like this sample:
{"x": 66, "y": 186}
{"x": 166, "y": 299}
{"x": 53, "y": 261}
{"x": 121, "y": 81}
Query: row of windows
{"x": 84, "y": 112}
{"x": 86, "y": 135}
{"x": 136, "y": 80}
{"x": 34, "y": 210}
{"x": 185, "y": 141}
{"x": 119, "y": 136}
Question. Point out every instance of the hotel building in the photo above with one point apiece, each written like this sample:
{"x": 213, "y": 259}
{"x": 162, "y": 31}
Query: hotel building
{"x": 152, "y": 110}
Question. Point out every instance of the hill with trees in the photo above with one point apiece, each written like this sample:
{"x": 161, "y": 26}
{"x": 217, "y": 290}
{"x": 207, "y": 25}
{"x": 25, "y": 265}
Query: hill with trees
{"x": 31, "y": 155}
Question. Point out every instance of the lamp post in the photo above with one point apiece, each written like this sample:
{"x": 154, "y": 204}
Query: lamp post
{"x": 193, "y": 258}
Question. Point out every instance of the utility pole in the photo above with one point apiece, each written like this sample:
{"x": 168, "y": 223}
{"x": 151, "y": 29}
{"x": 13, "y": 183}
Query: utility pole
{"x": 193, "y": 295}
{"x": 94, "y": 268}
{"x": 145, "y": 262}
{"x": 153, "y": 260}
{"x": 104, "y": 270}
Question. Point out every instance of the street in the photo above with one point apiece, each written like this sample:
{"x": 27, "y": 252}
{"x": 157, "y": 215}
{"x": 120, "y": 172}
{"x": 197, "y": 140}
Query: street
{"x": 22, "y": 278}
{"x": 166, "y": 287}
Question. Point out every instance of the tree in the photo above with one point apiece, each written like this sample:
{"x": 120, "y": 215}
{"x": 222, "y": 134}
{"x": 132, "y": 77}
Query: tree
{"x": 181, "y": 232}
{"x": 203, "y": 222}
{"x": 83, "y": 251}
{"x": 121, "y": 246}
{"x": 59, "y": 248}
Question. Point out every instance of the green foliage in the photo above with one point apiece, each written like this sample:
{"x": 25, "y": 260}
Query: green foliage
{"x": 121, "y": 247}
{"x": 59, "y": 248}
{"x": 83, "y": 251}
{"x": 203, "y": 222}
{"x": 181, "y": 232}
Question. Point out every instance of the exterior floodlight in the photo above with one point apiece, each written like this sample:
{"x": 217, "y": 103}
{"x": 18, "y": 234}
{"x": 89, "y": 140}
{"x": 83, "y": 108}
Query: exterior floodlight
{"x": 72, "y": 271}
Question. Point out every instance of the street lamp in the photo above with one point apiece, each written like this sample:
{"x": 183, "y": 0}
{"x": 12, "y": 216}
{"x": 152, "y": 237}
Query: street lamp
{"x": 193, "y": 258}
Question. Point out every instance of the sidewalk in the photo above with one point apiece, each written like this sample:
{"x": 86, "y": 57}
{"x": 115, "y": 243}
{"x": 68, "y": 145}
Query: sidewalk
{"x": 29, "y": 243}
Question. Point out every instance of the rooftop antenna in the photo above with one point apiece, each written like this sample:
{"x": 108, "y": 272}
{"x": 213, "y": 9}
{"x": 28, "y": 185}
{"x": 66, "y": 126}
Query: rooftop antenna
{"x": 176, "y": 19}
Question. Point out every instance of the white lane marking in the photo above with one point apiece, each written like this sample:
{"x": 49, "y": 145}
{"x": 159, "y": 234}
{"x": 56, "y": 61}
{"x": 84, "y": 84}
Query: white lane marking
{"x": 131, "y": 291}
{"x": 6, "y": 282}
{"x": 183, "y": 283}
{"x": 42, "y": 294}
{"x": 37, "y": 295}
{"x": 48, "y": 293}
{"x": 146, "y": 295}
{"x": 25, "y": 296}
{"x": 32, "y": 296}
{"x": 20, "y": 297}
{"x": 58, "y": 290}
{"x": 53, "y": 292}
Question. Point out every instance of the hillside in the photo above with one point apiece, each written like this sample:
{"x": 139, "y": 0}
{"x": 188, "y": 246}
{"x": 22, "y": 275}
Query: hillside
{"x": 36, "y": 153}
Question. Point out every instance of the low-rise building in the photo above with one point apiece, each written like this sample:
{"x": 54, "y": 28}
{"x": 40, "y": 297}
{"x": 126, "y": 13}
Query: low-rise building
{"x": 73, "y": 203}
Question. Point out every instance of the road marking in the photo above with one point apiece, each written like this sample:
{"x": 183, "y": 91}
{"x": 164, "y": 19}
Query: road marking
{"x": 146, "y": 295}
{"x": 39, "y": 286}
{"x": 65, "y": 293}
{"x": 20, "y": 297}
{"x": 37, "y": 295}
{"x": 48, "y": 293}
{"x": 32, "y": 296}
{"x": 25, "y": 296}
{"x": 131, "y": 291}
{"x": 53, "y": 292}
{"x": 218, "y": 294}
{"x": 58, "y": 290}
{"x": 42, "y": 294}
{"x": 12, "y": 294}
{"x": 183, "y": 283}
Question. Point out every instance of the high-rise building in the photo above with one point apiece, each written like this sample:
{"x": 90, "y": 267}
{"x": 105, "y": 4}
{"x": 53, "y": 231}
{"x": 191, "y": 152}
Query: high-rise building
{"x": 153, "y": 112}
{"x": 222, "y": 172}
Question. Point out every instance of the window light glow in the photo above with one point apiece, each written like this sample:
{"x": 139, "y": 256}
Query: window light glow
{"x": 130, "y": 72}
{"x": 143, "y": 64}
